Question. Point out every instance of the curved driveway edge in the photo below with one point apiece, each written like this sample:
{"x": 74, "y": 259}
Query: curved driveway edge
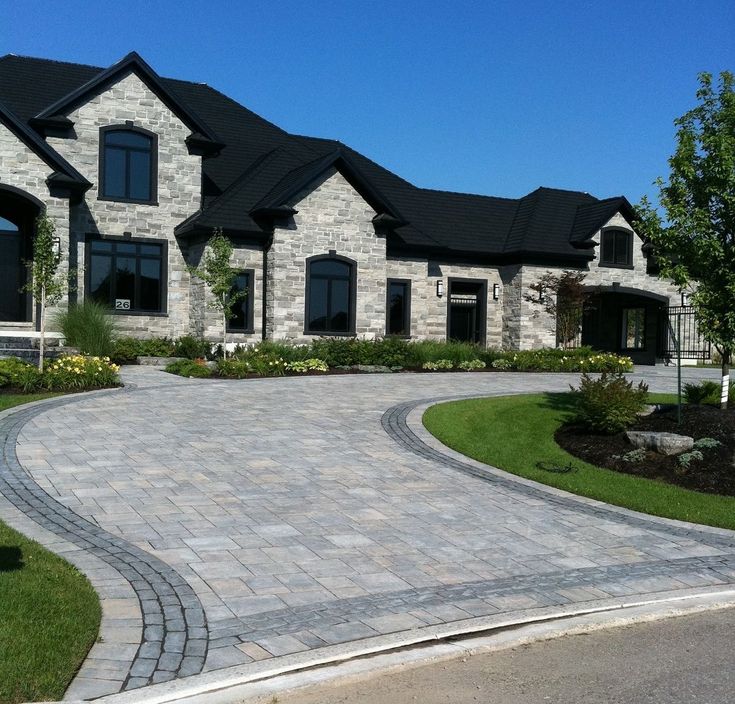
{"x": 301, "y": 527}
{"x": 174, "y": 639}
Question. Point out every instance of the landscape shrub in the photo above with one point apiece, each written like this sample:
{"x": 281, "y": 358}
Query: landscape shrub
{"x": 67, "y": 373}
{"x": 189, "y": 368}
{"x": 78, "y": 372}
{"x": 471, "y": 365}
{"x": 439, "y": 365}
{"x": 256, "y": 360}
{"x": 307, "y": 365}
{"x": 89, "y": 327}
{"x": 608, "y": 404}
{"x": 192, "y": 348}
{"x": 125, "y": 350}
{"x": 706, "y": 392}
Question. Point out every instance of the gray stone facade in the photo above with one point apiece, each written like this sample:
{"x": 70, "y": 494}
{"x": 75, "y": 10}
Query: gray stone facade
{"x": 331, "y": 217}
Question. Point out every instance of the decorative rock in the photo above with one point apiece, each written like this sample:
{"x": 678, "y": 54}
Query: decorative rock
{"x": 158, "y": 361}
{"x": 663, "y": 443}
{"x": 656, "y": 408}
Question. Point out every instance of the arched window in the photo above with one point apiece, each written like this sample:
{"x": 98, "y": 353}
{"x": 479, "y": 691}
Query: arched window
{"x": 330, "y": 295}
{"x": 617, "y": 248}
{"x": 128, "y": 164}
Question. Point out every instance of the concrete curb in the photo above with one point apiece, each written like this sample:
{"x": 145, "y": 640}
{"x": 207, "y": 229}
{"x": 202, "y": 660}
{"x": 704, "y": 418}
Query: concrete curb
{"x": 366, "y": 658}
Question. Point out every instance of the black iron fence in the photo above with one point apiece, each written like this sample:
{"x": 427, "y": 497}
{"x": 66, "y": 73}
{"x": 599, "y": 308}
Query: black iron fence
{"x": 678, "y": 322}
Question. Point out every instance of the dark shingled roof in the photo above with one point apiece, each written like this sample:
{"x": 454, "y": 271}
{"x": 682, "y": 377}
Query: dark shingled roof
{"x": 261, "y": 165}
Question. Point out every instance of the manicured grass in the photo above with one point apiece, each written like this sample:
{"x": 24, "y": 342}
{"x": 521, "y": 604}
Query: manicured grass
{"x": 515, "y": 432}
{"x": 49, "y": 613}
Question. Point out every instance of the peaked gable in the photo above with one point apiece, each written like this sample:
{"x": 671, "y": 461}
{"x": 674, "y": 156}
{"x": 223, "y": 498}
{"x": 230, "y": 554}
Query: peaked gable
{"x": 54, "y": 115}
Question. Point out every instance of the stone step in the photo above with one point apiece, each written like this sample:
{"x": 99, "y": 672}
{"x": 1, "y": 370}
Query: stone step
{"x": 23, "y": 342}
{"x": 31, "y": 354}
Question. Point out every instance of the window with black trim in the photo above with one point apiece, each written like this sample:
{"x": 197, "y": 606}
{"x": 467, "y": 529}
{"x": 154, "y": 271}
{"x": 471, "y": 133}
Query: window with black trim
{"x": 617, "y": 248}
{"x": 634, "y": 329}
{"x": 127, "y": 276}
{"x": 128, "y": 164}
{"x": 242, "y": 320}
{"x": 399, "y": 307}
{"x": 330, "y": 295}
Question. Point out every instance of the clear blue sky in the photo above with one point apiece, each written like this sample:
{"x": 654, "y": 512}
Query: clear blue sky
{"x": 485, "y": 97}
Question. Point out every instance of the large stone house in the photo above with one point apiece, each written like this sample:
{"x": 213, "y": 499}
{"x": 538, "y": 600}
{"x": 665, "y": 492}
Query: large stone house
{"x": 136, "y": 171}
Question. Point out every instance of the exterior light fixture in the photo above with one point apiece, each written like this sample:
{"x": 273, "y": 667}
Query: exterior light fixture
{"x": 541, "y": 295}
{"x": 496, "y": 291}
{"x": 684, "y": 298}
{"x": 440, "y": 288}
{"x": 57, "y": 246}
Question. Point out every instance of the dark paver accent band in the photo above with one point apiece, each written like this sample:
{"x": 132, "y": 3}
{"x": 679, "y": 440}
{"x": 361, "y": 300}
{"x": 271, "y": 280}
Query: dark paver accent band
{"x": 394, "y": 422}
{"x": 175, "y": 634}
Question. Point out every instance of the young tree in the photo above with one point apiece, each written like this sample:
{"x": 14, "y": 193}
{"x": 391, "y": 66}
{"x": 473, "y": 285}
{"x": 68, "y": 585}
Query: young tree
{"x": 695, "y": 243}
{"x": 563, "y": 297}
{"x": 215, "y": 271}
{"x": 46, "y": 286}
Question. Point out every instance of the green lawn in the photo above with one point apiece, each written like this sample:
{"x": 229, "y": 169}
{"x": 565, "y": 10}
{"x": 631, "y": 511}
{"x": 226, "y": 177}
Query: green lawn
{"x": 515, "y": 432}
{"x": 49, "y": 613}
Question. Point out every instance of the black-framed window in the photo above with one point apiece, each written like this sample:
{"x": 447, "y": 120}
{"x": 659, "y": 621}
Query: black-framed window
{"x": 128, "y": 164}
{"x": 634, "y": 329}
{"x": 617, "y": 248}
{"x": 330, "y": 295}
{"x": 398, "y": 306}
{"x": 127, "y": 276}
{"x": 242, "y": 321}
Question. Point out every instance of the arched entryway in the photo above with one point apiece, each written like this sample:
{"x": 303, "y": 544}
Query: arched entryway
{"x": 625, "y": 321}
{"x": 18, "y": 213}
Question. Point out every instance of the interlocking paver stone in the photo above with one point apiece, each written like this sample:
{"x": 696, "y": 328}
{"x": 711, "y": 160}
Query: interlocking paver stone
{"x": 258, "y": 518}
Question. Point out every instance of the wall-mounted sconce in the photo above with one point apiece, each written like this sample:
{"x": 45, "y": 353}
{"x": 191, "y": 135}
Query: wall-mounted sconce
{"x": 684, "y": 298}
{"x": 57, "y": 246}
{"x": 541, "y": 295}
{"x": 496, "y": 291}
{"x": 440, "y": 288}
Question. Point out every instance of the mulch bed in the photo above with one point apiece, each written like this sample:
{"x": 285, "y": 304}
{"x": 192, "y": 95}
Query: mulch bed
{"x": 715, "y": 474}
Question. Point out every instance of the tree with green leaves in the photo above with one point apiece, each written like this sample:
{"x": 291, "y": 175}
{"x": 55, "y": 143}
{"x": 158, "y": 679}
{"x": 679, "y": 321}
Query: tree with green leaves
{"x": 46, "y": 285}
{"x": 215, "y": 271}
{"x": 695, "y": 242}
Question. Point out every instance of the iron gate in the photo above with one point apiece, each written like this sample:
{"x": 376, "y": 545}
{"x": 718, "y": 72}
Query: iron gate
{"x": 680, "y": 320}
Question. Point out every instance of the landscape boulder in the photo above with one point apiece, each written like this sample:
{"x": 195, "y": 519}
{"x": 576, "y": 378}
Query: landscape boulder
{"x": 663, "y": 443}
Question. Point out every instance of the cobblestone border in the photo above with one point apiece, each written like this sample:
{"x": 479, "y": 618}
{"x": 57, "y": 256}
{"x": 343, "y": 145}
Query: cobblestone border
{"x": 395, "y": 422}
{"x": 175, "y": 636}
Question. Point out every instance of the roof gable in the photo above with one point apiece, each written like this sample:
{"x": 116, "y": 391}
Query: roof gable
{"x": 55, "y": 114}
{"x": 64, "y": 174}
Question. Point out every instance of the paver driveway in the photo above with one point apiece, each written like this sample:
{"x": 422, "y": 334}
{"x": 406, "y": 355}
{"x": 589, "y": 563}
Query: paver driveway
{"x": 296, "y": 520}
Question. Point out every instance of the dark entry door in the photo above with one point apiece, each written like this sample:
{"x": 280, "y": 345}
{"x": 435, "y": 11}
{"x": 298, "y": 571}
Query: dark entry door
{"x": 624, "y": 323}
{"x": 12, "y": 274}
{"x": 466, "y": 311}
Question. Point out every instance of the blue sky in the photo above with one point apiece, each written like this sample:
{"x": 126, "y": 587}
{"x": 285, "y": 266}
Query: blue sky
{"x": 484, "y": 97}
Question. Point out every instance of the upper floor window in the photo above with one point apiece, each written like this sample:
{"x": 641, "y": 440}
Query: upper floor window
{"x": 617, "y": 248}
{"x": 330, "y": 295}
{"x": 128, "y": 164}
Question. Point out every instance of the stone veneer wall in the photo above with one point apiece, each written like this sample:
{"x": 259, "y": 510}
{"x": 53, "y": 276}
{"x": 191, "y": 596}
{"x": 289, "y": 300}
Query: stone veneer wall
{"x": 22, "y": 168}
{"x": 332, "y": 215}
{"x": 179, "y": 192}
{"x": 537, "y": 329}
{"x": 205, "y": 320}
{"x": 429, "y": 312}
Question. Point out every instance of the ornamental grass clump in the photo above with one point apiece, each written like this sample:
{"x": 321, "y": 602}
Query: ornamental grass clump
{"x": 608, "y": 404}
{"x": 89, "y": 327}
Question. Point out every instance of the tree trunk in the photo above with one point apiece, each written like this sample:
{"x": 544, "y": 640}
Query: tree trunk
{"x": 224, "y": 335}
{"x": 725, "y": 378}
{"x": 42, "y": 328}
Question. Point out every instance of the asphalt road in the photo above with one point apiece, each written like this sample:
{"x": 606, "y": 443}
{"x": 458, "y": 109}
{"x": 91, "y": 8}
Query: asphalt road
{"x": 689, "y": 659}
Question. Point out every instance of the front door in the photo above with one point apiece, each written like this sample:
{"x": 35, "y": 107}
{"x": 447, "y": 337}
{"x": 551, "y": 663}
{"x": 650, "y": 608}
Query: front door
{"x": 13, "y": 302}
{"x": 466, "y": 311}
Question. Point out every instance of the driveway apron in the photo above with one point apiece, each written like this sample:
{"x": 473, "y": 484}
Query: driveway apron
{"x": 260, "y": 518}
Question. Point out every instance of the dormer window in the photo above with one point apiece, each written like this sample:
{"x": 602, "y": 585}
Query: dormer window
{"x": 617, "y": 248}
{"x": 128, "y": 164}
